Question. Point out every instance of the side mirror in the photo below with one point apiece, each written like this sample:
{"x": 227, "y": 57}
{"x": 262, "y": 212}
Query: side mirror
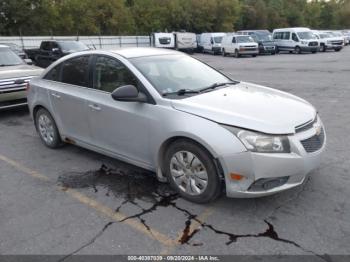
{"x": 28, "y": 61}
{"x": 128, "y": 93}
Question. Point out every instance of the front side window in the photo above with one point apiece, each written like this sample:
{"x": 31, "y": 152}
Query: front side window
{"x": 75, "y": 71}
{"x": 295, "y": 38}
{"x": 171, "y": 73}
{"x": 110, "y": 74}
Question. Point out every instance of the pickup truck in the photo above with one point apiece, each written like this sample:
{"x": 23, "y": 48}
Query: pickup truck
{"x": 50, "y": 51}
{"x": 14, "y": 77}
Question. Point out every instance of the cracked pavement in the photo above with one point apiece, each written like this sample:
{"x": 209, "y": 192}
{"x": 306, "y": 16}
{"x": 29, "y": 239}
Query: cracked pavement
{"x": 37, "y": 217}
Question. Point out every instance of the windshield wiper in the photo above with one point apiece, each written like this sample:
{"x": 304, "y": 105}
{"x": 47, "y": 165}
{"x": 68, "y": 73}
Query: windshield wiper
{"x": 216, "y": 85}
{"x": 182, "y": 92}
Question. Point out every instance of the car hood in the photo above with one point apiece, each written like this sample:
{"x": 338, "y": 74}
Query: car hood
{"x": 251, "y": 107}
{"x": 19, "y": 71}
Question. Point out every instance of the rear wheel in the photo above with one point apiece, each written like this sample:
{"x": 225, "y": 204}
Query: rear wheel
{"x": 191, "y": 171}
{"x": 47, "y": 129}
{"x": 223, "y": 52}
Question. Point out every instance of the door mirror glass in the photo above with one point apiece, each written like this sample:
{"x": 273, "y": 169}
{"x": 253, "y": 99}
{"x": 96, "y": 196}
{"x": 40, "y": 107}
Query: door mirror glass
{"x": 128, "y": 93}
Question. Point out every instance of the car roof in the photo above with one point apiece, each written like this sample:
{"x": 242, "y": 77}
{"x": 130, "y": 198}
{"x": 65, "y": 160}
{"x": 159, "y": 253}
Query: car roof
{"x": 133, "y": 52}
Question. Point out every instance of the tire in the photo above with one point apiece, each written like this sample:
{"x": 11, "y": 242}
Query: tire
{"x": 254, "y": 55}
{"x": 47, "y": 129}
{"x": 337, "y": 49}
{"x": 237, "y": 55}
{"x": 182, "y": 158}
{"x": 322, "y": 48}
{"x": 297, "y": 50}
{"x": 277, "y": 50}
{"x": 273, "y": 53}
{"x": 223, "y": 52}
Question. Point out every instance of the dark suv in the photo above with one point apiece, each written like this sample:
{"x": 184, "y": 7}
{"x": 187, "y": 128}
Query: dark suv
{"x": 263, "y": 38}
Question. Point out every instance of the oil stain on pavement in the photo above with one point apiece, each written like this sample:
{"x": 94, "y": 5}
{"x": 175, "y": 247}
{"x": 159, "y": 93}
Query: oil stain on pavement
{"x": 135, "y": 186}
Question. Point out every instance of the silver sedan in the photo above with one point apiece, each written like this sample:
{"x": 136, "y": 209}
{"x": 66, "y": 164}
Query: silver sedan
{"x": 170, "y": 113}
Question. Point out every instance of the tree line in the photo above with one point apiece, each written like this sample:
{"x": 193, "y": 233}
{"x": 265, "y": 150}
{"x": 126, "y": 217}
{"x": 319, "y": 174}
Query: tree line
{"x": 141, "y": 17}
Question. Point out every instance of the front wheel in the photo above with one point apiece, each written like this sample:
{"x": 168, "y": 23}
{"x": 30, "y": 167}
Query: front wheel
{"x": 237, "y": 55}
{"x": 47, "y": 129}
{"x": 297, "y": 50}
{"x": 337, "y": 50}
{"x": 191, "y": 171}
{"x": 322, "y": 48}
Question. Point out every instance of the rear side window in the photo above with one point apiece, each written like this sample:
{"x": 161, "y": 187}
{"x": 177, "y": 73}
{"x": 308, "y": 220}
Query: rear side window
{"x": 110, "y": 74}
{"x": 54, "y": 74}
{"x": 286, "y": 35}
{"x": 76, "y": 71}
{"x": 278, "y": 35}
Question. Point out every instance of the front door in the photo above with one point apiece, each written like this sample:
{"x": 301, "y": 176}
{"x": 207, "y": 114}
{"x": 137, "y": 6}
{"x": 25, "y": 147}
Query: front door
{"x": 122, "y": 128}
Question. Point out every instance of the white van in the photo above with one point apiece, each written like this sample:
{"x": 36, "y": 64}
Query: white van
{"x": 163, "y": 40}
{"x": 298, "y": 40}
{"x": 239, "y": 45}
{"x": 211, "y": 42}
{"x": 185, "y": 41}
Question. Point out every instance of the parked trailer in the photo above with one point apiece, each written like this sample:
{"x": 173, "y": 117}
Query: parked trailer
{"x": 185, "y": 41}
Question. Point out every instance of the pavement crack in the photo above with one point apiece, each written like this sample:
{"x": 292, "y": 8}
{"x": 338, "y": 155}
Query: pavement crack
{"x": 90, "y": 242}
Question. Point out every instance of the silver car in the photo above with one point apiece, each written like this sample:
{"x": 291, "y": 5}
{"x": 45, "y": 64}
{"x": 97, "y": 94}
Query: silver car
{"x": 170, "y": 113}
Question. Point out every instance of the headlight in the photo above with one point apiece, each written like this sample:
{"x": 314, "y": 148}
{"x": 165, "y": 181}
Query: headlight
{"x": 261, "y": 143}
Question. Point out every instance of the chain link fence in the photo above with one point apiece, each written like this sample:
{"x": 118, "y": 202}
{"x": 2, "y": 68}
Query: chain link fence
{"x": 95, "y": 42}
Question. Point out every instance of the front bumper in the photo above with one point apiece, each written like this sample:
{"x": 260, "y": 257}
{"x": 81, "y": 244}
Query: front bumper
{"x": 267, "y": 49}
{"x": 12, "y": 99}
{"x": 281, "y": 171}
{"x": 246, "y": 51}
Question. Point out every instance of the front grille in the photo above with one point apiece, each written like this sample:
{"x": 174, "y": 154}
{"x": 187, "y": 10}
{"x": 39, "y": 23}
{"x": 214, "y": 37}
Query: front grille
{"x": 313, "y": 44}
{"x": 337, "y": 42}
{"x": 305, "y": 126}
{"x": 14, "y": 84}
{"x": 313, "y": 143}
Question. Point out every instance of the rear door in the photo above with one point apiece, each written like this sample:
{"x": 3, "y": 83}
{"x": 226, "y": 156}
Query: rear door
{"x": 68, "y": 98}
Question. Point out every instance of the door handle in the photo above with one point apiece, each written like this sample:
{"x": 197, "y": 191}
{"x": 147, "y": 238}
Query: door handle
{"x": 95, "y": 107}
{"x": 56, "y": 95}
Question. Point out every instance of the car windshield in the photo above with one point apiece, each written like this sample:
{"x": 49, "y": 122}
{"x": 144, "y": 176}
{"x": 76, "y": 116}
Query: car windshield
{"x": 73, "y": 46}
{"x": 171, "y": 73}
{"x": 306, "y": 35}
{"x": 218, "y": 39}
{"x": 244, "y": 39}
{"x": 264, "y": 37}
{"x": 337, "y": 34}
{"x": 9, "y": 58}
{"x": 325, "y": 36}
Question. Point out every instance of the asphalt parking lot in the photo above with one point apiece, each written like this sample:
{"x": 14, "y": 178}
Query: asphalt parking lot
{"x": 73, "y": 201}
